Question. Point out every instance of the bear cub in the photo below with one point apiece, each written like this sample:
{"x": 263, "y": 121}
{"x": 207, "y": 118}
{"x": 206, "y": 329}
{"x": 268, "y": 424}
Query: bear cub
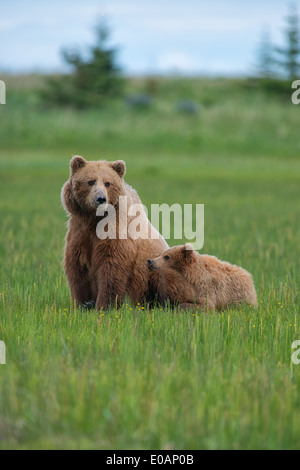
{"x": 188, "y": 278}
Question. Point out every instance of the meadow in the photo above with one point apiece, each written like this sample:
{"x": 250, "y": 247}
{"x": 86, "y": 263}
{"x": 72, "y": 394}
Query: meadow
{"x": 140, "y": 378}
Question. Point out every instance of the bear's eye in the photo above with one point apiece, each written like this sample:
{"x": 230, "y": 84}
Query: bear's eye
{"x": 166, "y": 257}
{"x": 107, "y": 184}
{"x": 91, "y": 183}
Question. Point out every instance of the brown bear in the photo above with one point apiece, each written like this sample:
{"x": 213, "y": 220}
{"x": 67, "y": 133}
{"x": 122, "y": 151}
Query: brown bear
{"x": 188, "y": 278}
{"x": 102, "y": 271}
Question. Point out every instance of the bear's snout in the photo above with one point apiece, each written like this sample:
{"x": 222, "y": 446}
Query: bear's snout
{"x": 101, "y": 200}
{"x": 151, "y": 264}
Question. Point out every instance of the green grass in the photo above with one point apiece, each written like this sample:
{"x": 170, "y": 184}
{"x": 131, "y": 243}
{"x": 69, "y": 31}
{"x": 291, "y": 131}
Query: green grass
{"x": 152, "y": 379}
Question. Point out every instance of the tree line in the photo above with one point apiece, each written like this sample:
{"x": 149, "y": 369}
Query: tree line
{"x": 281, "y": 62}
{"x": 96, "y": 77}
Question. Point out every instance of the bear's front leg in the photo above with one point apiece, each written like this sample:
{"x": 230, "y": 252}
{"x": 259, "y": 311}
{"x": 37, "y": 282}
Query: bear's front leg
{"x": 78, "y": 279}
{"x": 111, "y": 285}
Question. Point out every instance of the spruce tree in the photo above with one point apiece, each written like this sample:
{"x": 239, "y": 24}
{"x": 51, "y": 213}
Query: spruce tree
{"x": 265, "y": 57}
{"x": 289, "y": 55}
{"x": 94, "y": 78}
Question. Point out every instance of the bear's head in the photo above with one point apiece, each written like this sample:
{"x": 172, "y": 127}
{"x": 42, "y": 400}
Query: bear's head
{"x": 93, "y": 184}
{"x": 177, "y": 258}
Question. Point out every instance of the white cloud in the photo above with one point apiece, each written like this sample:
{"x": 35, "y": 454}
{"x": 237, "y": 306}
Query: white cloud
{"x": 166, "y": 34}
{"x": 9, "y": 24}
{"x": 177, "y": 61}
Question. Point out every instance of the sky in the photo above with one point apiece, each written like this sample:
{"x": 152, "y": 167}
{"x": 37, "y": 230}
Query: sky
{"x": 191, "y": 37}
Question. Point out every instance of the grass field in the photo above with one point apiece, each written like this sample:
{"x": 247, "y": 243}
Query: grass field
{"x": 152, "y": 379}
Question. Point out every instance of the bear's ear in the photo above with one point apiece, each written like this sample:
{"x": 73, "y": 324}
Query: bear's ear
{"x": 188, "y": 251}
{"x": 188, "y": 247}
{"x": 120, "y": 167}
{"x": 76, "y": 163}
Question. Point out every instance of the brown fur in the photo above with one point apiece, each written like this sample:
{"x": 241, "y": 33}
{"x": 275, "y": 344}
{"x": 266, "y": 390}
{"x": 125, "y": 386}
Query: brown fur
{"x": 103, "y": 271}
{"x": 188, "y": 278}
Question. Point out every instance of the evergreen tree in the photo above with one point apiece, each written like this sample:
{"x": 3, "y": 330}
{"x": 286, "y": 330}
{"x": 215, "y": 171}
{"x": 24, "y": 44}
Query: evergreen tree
{"x": 289, "y": 56}
{"x": 265, "y": 57}
{"x": 94, "y": 78}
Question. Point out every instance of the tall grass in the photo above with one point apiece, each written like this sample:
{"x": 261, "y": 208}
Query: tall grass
{"x": 136, "y": 378}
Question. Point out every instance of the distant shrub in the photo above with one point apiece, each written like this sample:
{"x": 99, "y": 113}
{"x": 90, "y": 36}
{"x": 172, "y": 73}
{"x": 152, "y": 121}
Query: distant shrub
{"x": 139, "y": 101}
{"x": 273, "y": 86}
{"x": 188, "y": 107}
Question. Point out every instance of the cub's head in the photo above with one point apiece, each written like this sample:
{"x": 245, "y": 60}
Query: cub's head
{"x": 177, "y": 258}
{"x": 93, "y": 184}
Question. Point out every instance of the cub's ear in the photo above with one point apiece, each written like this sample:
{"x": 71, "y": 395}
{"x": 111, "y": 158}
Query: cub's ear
{"x": 76, "y": 163}
{"x": 188, "y": 247}
{"x": 188, "y": 252}
{"x": 120, "y": 167}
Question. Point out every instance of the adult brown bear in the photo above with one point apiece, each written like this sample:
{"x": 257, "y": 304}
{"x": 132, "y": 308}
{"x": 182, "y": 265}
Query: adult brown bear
{"x": 103, "y": 271}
